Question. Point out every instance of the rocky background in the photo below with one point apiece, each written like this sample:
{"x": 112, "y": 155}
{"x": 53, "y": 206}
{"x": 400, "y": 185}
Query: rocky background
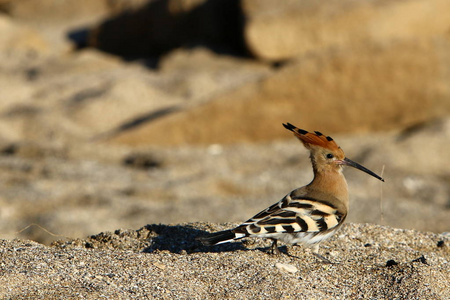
{"x": 117, "y": 114}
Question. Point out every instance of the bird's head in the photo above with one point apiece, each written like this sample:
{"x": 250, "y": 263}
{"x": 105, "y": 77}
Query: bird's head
{"x": 326, "y": 155}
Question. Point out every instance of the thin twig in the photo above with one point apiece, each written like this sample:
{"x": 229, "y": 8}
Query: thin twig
{"x": 381, "y": 198}
{"x": 39, "y": 226}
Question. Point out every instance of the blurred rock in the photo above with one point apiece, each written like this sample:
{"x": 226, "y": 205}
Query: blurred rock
{"x": 104, "y": 108}
{"x": 55, "y": 19}
{"x": 269, "y": 31}
{"x": 278, "y": 31}
{"x": 55, "y": 12}
{"x": 199, "y": 75}
{"x": 369, "y": 88}
{"x": 21, "y": 48}
{"x": 19, "y": 44}
{"x": 425, "y": 144}
{"x": 100, "y": 95}
{"x": 96, "y": 95}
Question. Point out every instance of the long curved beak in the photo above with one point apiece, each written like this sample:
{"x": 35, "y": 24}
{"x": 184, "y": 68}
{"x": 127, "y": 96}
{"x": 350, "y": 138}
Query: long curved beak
{"x": 353, "y": 164}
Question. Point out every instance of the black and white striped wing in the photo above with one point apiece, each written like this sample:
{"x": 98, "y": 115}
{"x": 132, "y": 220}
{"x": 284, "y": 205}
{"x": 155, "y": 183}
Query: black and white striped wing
{"x": 293, "y": 215}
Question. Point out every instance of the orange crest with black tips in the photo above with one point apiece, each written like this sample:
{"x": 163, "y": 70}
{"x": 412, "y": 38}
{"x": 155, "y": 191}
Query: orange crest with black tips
{"x": 309, "y": 138}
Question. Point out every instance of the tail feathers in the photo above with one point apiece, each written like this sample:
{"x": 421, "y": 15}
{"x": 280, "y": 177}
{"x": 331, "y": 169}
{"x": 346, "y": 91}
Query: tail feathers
{"x": 219, "y": 237}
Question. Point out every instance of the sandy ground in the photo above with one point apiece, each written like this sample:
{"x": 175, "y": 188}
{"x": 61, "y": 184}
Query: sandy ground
{"x": 165, "y": 262}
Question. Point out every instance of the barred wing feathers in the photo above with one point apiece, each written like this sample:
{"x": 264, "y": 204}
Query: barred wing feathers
{"x": 293, "y": 215}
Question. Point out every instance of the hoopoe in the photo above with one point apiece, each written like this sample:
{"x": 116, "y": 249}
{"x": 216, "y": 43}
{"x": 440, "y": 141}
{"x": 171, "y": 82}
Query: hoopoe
{"x": 307, "y": 215}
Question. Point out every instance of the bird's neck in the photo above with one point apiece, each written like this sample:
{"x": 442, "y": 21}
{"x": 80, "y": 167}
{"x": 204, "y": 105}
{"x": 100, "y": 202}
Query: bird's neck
{"x": 330, "y": 182}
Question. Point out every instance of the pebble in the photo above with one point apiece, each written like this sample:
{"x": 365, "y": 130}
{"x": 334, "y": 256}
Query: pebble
{"x": 286, "y": 267}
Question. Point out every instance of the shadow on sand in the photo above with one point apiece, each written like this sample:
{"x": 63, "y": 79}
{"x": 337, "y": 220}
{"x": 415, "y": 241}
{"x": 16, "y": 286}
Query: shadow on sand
{"x": 182, "y": 238}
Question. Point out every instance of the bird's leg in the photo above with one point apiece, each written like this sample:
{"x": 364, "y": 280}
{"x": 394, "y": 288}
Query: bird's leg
{"x": 315, "y": 251}
{"x": 274, "y": 248}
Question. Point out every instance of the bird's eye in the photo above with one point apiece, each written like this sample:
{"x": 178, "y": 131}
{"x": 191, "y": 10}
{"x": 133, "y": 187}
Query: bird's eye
{"x": 329, "y": 155}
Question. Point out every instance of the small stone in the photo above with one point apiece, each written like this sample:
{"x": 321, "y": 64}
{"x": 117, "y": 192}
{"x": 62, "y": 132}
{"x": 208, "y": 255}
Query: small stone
{"x": 391, "y": 263}
{"x": 159, "y": 266}
{"x": 286, "y": 267}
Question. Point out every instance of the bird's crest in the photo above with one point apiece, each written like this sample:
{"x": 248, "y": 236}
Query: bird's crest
{"x": 309, "y": 138}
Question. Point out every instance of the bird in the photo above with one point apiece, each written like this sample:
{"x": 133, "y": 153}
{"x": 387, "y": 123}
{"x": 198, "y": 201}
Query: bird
{"x": 307, "y": 215}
